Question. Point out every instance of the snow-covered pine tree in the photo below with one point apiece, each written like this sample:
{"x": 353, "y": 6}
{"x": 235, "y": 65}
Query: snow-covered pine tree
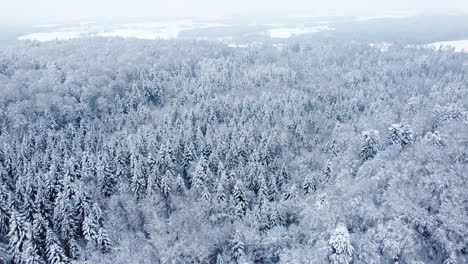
{"x": 66, "y": 225}
{"x": 220, "y": 195}
{"x": 3, "y": 210}
{"x": 200, "y": 174}
{"x": 138, "y": 184}
{"x": 310, "y": 184}
{"x": 451, "y": 260}
{"x": 237, "y": 246}
{"x": 30, "y": 256}
{"x": 103, "y": 241}
{"x": 39, "y": 232}
{"x": 400, "y": 134}
{"x": 340, "y": 245}
{"x": 327, "y": 172}
{"x": 90, "y": 228}
{"x": 179, "y": 184}
{"x": 240, "y": 200}
{"x": 165, "y": 184}
{"x": 17, "y": 236}
{"x": 206, "y": 195}
{"x": 54, "y": 252}
{"x": 371, "y": 145}
{"x": 106, "y": 179}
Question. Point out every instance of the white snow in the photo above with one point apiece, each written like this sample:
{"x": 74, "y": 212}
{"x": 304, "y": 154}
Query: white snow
{"x": 54, "y": 35}
{"x": 242, "y": 46}
{"x": 149, "y": 30}
{"x": 289, "y": 32}
{"x": 254, "y": 44}
{"x": 457, "y": 45}
{"x": 142, "y": 33}
{"x": 382, "y": 46}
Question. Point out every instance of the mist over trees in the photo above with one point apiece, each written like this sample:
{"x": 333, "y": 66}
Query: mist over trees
{"x": 130, "y": 151}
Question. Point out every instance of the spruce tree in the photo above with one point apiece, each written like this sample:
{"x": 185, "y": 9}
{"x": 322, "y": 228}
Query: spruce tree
{"x": 237, "y": 246}
{"x": 371, "y": 145}
{"x": 200, "y": 174}
{"x": 103, "y": 241}
{"x": 17, "y": 236}
{"x": 106, "y": 179}
{"x": 138, "y": 185}
{"x": 166, "y": 183}
{"x": 400, "y": 134}
{"x": 240, "y": 200}
{"x": 309, "y": 185}
{"x": 30, "y": 256}
{"x": 340, "y": 245}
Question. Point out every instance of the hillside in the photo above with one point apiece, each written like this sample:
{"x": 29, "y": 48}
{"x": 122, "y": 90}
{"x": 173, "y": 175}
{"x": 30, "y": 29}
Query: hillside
{"x": 133, "y": 151}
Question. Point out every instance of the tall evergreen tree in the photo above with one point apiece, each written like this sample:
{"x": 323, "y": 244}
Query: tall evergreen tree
{"x": 371, "y": 145}
{"x": 340, "y": 244}
{"x": 240, "y": 200}
{"x": 237, "y": 246}
{"x": 17, "y": 236}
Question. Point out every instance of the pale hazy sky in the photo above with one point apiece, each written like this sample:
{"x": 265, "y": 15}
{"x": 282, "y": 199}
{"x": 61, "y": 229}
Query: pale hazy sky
{"x": 30, "y": 11}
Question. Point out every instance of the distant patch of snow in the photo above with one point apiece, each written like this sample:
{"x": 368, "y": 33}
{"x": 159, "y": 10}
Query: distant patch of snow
{"x": 55, "y": 35}
{"x": 457, "y": 45}
{"x": 289, "y": 32}
{"x": 141, "y": 33}
{"x": 246, "y": 45}
{"x": 382, "y": 46}
{"x": 279, "y": 46}
{"x": 243, "y": 46}
{"x": 149, "y": 30}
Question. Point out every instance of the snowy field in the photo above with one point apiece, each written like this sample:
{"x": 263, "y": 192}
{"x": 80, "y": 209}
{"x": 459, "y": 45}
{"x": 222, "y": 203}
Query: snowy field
{"x": 149, "y": 30}
{"x": 457, "y": 45}
{"x": 53, "y": 35}
{"x": 287, "y": 32}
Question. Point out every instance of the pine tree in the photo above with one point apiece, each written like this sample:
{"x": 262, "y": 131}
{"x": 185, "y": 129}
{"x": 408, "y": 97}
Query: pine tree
{"x": 56, "y": 254}
{"x": 106, "y": 179}
{"x": 264, "y": 192}
{"x": 309, "y": 185}
{"x": 89, "y": 228}
{"x": 220, "y": 195}
{"x": 3, "y": 211}
{"x": 237, "y": 246}
{"x": 371, "y": 145}
{"x": 291, "y": 193}
{"x": 30, "y": 255}
{"x": 138, "y": 182}
{"x": 200, "y": 174}
{"x": 451, "y": 260}
{"x": 240, "y": 200}
{"x": 39, "y": 232}
{"x": 179, "y": 184}
{"x": 17, "y": 236}
{"x": 81, "y": 203}
{"x": 187, "y": 156}
{"x": 103, "y": 241}
{"x": 166, "y": 183}
{"x": 327, "y": 171}
{"x": 206, "y": 195}
{"x": 340, "y": 244}
{"x": 400, "y": 134}
{"x": 65, "y": 224}
{"x": 434, "y": 138}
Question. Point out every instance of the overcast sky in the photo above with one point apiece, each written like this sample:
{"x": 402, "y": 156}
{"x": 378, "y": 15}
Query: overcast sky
{"x": 31, "y": 11}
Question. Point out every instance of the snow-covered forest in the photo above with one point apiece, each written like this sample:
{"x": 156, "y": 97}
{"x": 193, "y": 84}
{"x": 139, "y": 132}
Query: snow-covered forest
{"x": 133, "y": 151}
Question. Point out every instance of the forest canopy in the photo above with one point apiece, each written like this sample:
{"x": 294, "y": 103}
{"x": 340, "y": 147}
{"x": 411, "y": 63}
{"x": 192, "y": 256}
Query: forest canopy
{"x": 131, "y": 151}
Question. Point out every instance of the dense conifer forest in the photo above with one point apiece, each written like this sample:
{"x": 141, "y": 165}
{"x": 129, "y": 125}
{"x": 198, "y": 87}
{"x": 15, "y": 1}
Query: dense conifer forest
{"x": 130, "y": 151}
